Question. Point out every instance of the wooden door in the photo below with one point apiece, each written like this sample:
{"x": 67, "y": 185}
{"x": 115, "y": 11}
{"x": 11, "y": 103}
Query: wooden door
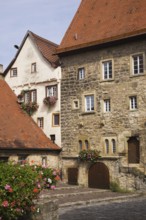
{"x": 133, "y": 150}
{"x": 98, "y": 176}
{"x": 73, "y": 176}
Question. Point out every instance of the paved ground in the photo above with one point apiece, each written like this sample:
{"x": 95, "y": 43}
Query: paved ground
{"x": 130, "y": 210}
{"x": 77, "y": 203}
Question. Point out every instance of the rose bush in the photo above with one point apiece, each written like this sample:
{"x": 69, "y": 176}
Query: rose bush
{"x": 20, "y": 185}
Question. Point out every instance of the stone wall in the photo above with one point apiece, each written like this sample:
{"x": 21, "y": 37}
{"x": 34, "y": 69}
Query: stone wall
{"x": 120, "y": 123}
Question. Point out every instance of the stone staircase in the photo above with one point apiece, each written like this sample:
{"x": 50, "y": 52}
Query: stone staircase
{"x": 69, "y": 195}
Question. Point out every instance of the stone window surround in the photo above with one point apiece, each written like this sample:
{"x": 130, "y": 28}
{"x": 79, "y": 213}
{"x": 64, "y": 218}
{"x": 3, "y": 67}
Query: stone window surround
{"x": 129, "y": 101}
{"x": 75, "y": 104}
{"x": 83, "y": 102}
{"x": 81, "y": 73}
{"x": 13, "y": 72}
{"x": 108, "y": 108}
{"x": 101, "y": 69}
{"x": 131, "y": 64}
{"x": 110, "y": 141}
{"x": 53, "y": 119}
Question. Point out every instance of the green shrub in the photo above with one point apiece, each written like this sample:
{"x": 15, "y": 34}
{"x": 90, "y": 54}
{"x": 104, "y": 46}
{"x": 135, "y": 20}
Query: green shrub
{"x": 20, "y": 185}
{"x": 114, "y": 187}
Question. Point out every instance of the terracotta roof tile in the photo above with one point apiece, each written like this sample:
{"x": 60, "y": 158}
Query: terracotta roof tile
{"x": 100, "y": 21}
{"x": 17, "y": 129}
{"x": 47, "y": 48}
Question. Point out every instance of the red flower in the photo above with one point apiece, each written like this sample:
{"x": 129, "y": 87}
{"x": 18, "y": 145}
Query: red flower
{"x": 5, "y": 203}
{"x": 35, "y": 190}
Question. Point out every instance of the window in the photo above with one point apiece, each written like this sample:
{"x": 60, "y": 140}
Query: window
{"x": 75, "y": 104}
{"x": 40, "y": 122}
{"x": 138, "y": 64}
{"x": 13, "y": 72}
{"x": 22, "y": 159}
{"x": 114, "y": 146}
{"x": 52, "y": 136}
{"x": 107, "y": 69}
{"x": 44, "y": 161}
{"x": 133, "y": 102}
{"x": 81, "y": 73}
{"x": 107, "y": 105}
{"x": 33, "y": 67}
{"x": 51, "y": 91}
{"x": 56, "y": 119}
{"x": 30, "y": 96}
{"x": 107, "y": 146}
{"x": 89, "y": 103}
{"x": 80, "y": 145}
{"x": 86, "y": 144}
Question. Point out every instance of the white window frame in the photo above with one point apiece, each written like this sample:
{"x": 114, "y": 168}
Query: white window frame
{"x": 30, "y": 96}
{"x": 13, "y": 72}
{"x": 133, "y": 102}
{"x": 81, "y": 73}
{"x": 137, "y": 64}
{"x": 89, "y": 103}
{"x": 107, "y": 105}
{"x": 40, "y": 122}
{"x": 107, "y": 69}
{"x": 51, "y": 91}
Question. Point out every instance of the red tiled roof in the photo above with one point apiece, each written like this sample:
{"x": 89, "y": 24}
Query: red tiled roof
{"x": 47, "y": 48}
{"x": 100, "y": 21}
{"x": 17, "y": 129}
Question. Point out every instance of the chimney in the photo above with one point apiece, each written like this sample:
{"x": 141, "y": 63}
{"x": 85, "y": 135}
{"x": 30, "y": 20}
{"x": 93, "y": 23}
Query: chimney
{"x": 1, "y": 71}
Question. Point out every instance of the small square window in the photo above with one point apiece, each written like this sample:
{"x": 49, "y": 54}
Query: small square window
{"x": 133, "y": 103}
{"x": 40, "y": 122}
{"x": 56, "y": 119}
{"x": 33, "y": 67}
{"x": 107, "y": 105}
{"x": 89, "y": 103}
{"x": 13, "y": 72}
{"x": 52, "y": 136}
{"x": 107, "y": 70}
{"x": 75, "y": 104}
{"x": 81, "y": 73}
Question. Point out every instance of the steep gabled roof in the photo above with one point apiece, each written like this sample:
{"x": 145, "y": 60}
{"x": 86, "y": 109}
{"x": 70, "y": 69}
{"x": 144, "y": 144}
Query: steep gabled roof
{"x": 17, "y": 129}
{"x": 101, "y": 21}
{"x": 45, "y": 47}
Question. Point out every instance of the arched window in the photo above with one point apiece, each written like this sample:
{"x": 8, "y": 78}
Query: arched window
{"x": 80, "y": 145}
{"x": 114, "y": 146}
{"x": 107, "y": 146}
{"x": 86, "y": 144}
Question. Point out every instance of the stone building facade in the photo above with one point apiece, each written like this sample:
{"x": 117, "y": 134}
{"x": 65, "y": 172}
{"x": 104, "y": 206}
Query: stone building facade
{"x": 105, "y": 108}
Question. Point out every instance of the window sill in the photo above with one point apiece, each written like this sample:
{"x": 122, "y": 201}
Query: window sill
{"x": 137, "y": 75}
{"x": 106, "y": 80}
{"x": 88, "y": 113}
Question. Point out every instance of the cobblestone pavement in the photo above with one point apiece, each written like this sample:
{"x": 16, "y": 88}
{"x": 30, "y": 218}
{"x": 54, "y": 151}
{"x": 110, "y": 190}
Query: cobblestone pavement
{"x": 134, "y": 209}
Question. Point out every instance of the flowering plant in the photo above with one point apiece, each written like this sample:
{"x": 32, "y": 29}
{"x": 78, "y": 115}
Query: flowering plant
{"x": 89, "y": 155}
{"x": 29, "y": 107}
{"x": 20, "y": 185}
{"x": 50, "y": 100}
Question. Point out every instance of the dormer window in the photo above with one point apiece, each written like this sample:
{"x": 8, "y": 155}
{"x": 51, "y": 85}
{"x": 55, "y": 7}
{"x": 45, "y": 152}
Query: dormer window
{"x": 13, "y": 72}
{"x": 33, "y": 68}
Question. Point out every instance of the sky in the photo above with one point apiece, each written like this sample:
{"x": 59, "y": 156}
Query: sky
{"x": 46, "y": 18}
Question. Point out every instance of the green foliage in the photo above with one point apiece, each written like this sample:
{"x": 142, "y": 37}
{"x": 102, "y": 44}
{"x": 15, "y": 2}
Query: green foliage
{"x": 29, "y": 107}
{"x": 20, "y": 185}
{"x": 114, "y": 187}
{"x": 89, "y": 155}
